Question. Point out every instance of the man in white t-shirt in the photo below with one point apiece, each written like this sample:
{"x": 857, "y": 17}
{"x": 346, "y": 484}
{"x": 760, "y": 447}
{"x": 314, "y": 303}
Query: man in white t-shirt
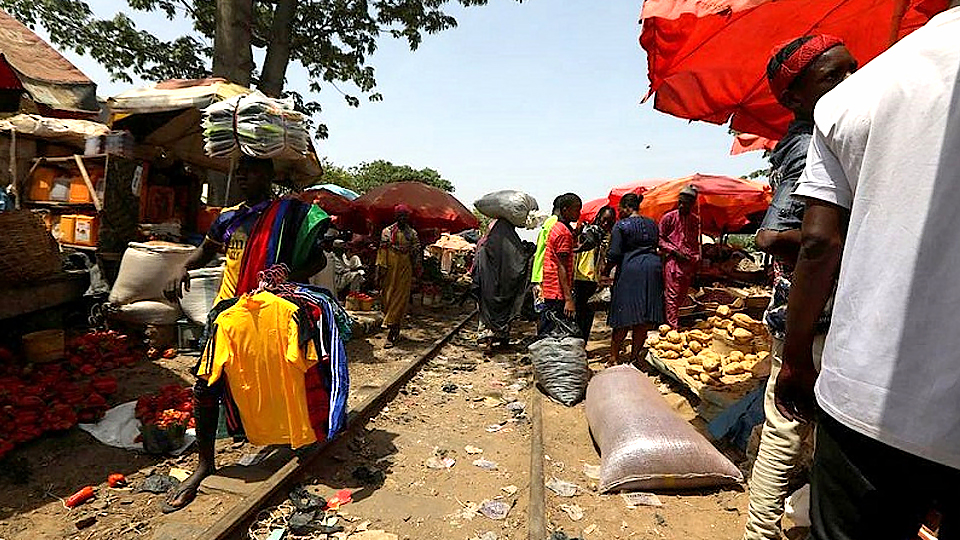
{"x": 882, "y": 185}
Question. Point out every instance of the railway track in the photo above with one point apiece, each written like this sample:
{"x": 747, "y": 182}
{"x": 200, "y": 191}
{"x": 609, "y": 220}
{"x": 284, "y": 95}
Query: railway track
{"x": 233, "y": 524}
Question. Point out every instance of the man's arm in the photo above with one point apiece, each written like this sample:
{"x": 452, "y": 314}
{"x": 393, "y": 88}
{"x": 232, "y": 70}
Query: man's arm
{"x": 200, "y": 257}
{"x": 824, "y": 227}
{"x": 785, "y": 244}
{"x": 569, "y": 306}
{"x": 666, "y": 227}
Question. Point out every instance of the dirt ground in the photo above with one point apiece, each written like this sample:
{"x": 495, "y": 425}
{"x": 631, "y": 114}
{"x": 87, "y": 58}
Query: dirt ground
{"x": 455, "y": 402}
{"x": 37, "y": 475}
{"x": 462, "y": 401}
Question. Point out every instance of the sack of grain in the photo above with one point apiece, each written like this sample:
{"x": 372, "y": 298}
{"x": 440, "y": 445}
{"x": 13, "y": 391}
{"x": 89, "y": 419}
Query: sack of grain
{"x": 204, "y": 286}
{"x": 159, "y": 312}
{"x": 147, "y": 269}
{"x": 643, "y": 444}
{"x": 513, "y": 206}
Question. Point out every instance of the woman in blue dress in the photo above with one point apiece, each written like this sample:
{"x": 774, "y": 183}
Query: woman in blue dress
{"x": 636, "y": 299}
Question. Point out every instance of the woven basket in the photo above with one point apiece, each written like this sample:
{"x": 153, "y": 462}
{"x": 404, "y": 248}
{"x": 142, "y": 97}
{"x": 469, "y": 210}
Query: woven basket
{"x": 28, "y": 251}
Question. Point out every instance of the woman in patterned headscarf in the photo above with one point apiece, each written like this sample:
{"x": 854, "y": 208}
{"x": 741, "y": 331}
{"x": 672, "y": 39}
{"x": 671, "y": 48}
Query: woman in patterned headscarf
{"x": 397, "y": 261}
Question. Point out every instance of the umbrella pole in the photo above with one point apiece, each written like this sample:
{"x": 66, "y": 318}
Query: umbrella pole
{"x": 226, "y": 193}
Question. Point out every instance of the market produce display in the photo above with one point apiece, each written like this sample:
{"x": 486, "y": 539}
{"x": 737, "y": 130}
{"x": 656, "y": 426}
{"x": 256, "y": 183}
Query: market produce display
{"x": 255, "y": 125}
{"x": 55, "y": 396}
{"x": 165, "y": 417}
{"x": 726, "y": 350}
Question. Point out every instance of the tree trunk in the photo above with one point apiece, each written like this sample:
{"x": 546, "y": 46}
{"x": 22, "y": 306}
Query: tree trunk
{"x": 232, "y": 50}
{"x": 278, "y": 53}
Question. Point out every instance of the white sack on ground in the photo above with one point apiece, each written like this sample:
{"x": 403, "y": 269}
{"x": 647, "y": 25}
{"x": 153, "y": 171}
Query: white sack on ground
{"x": 644, "y": 444}
{"x": 158, "y": 312}
{"x": 147, "y": 269}
{"x": 204, "y": 286}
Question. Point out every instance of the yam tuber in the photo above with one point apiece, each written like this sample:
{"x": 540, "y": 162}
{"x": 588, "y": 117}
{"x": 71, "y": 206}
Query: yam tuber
{"x": 669, "y": 355}
{"x": 723, "y": 311}
{"x": 695, "y": 347}
{"x": 742, "y": 335}
{"x": 687, "y": 353}
{"x": 664, "y": 328}
{"x": 673, "y": 336}
{"x": 710, "y": 363}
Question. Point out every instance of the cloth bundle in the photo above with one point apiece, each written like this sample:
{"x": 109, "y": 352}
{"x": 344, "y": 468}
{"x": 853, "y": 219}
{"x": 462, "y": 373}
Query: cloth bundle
{"x": 255, "y": 125}
{"x": 517, "y": 207}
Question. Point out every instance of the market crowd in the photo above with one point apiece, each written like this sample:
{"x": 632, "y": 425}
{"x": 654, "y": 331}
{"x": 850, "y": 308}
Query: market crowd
{"x": 862, "y": 231}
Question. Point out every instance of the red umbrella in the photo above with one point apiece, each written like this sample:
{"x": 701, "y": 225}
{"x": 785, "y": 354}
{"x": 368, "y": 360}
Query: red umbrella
{"x": 707, "y": 60}
{"x": 639, "y": 187}
{"x": 723, "y": 203}
{"x": 430, "y": 207}
{"x": 332, "y": 203}
{"x": 590, "y": 209}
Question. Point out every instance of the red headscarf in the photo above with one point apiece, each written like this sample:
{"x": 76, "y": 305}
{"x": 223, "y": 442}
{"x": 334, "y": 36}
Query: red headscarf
{"x": 790, "y": 59}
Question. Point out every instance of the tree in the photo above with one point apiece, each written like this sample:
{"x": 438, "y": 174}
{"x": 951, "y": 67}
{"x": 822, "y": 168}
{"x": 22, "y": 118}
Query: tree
{"x": 330, "y": 39}
{"x": 366, "y": 176}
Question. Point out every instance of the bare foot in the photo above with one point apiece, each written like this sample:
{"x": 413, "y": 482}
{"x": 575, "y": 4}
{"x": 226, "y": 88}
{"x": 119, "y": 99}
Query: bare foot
{"x": 184, "y": 494}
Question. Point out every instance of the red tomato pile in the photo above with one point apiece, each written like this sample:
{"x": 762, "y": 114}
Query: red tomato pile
{"x": 360, "y": 296}
{"x": 172, "y": 406}
{"x": 37, "y": 398}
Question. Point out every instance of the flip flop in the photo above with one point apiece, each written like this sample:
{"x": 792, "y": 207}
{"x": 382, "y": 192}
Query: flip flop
{"x": 389, "y": 345}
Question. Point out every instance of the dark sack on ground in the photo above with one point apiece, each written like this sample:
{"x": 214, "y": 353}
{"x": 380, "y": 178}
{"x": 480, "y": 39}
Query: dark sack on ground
{"x": 643, "y": 444}
{"x": 561, "y": 367}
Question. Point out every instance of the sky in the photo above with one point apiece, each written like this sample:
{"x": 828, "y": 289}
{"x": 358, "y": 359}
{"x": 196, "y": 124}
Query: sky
{"x": 539, "y": 96}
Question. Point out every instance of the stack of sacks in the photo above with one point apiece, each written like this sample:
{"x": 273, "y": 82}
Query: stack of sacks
{"x": 255, "y": 125}
{"x": 146, "y": 271}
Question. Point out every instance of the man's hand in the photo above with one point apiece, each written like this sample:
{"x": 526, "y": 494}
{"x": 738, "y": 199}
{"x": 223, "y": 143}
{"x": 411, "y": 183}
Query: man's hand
{"x": 569, "y": 308}
{"x": 794, "y": 391}
{"x": 177, "y": 287}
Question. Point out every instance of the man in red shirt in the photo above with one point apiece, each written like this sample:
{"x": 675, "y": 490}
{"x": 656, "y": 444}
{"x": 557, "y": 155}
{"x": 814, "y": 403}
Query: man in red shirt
{"x": 680, "y": 245}
{"x": 557, "y": 283}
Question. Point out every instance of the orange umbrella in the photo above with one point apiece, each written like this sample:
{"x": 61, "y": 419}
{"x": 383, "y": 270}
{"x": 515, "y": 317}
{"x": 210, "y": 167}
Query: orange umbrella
{"x": 723, "y": 203}
{"x": 430, "y": 208}
{"x": 707, "y": 60}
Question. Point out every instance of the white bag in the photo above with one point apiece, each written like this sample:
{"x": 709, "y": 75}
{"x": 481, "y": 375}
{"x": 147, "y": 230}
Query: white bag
{"x": 513, "y": 206}
{"x": 204, "y": 287}
{"x": 158, "y": 312}
{"x": 148, "y": 269}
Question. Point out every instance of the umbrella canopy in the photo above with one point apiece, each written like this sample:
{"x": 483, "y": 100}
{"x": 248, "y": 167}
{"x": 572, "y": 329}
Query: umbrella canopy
{"x": 639, "y": 187}
{"x": 707, "y": 60}
{"x": 723, "y": 203}
{"x": 331, "y": 203}
{"x": 348, "y": 194}
{"x": 431, "y": 208}
{"x": 450, "y": 242}
{"x": 590, "y": 209}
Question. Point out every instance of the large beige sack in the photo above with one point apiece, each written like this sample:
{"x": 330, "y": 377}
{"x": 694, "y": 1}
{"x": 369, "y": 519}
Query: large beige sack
{"x": 204, "y": 287}
{"x": 643, "y": 444}
{"x": 147, "y": 269}
{"x": 149, "y": 312}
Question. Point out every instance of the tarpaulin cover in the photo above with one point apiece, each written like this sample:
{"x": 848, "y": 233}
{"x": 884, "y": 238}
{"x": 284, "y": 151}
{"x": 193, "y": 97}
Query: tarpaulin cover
{"x": 431, "y": 208}
{"x": 723, "y": 203}
{"x": 48, "y": 77}
{"x": 707, "y": 59}
{"x": 639, "y": 187}
{"x": 62, "y": 129}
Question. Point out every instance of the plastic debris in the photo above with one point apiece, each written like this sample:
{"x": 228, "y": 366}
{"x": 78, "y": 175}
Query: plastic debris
{"x": 640, "y": 498}
{"x": 590, "y": 529}
{"x": 485, "y": 464}
{"x": 562, "y": 488}
{"x": 179, "y": 474}
{"x": 489, "y": 535}
{"x": 305, "y": 501}
{"x": 159, "y": 484}
{"x": 510, "y": 490}
{"x": 342, "y": 497}
{"x": 493, "y": 428}
{"x": 494, "y": 509}
{"x": 591, "y": 471}
{"x": 473, "y": 450}
{"x": 437, "y": 462}
{"x": 573, "y": 511}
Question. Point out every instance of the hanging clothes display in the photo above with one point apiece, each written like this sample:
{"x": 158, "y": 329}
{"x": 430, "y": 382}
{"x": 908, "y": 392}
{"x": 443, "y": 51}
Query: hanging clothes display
{"x": 278, "y": 355}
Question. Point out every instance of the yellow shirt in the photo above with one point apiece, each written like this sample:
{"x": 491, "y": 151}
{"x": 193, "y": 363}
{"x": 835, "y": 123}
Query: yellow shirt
{"x": 256, "y": 345}
{"x": 231, "y": 230}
